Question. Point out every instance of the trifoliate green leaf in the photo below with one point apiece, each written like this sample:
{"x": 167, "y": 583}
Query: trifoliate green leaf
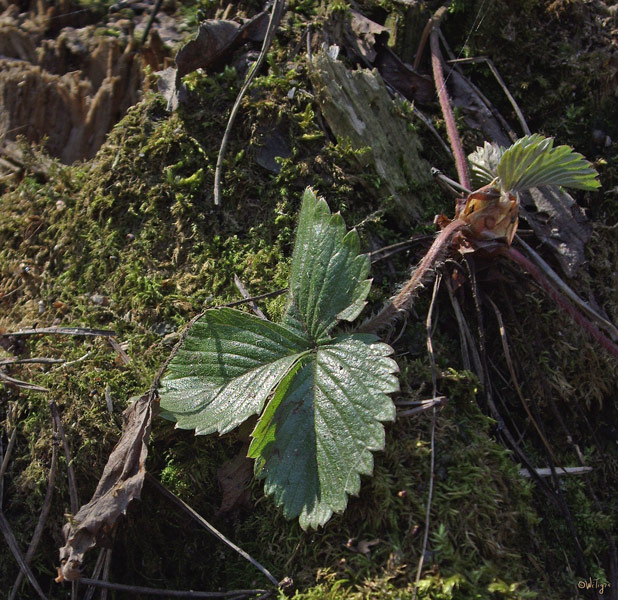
{"x": 533, "y": 161}
{"x": 329, "y": 395}
{"x": 227, "y": 367}
{"x": 328, "y": 282}
{"x": 317, "y": 434}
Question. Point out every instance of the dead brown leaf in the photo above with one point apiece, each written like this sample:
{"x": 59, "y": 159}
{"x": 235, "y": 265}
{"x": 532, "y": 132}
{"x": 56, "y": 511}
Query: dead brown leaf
{"x": 559, "y": 223}
{"x": 121, "y": 482}
{"x": 215, "y": 41}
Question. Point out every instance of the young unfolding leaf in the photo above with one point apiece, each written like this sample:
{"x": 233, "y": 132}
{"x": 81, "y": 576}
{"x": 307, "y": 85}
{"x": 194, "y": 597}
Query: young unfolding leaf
{"x": 484, "y": 162}
{"x": 326, "y": 397}
{"x": 532, "y": 161}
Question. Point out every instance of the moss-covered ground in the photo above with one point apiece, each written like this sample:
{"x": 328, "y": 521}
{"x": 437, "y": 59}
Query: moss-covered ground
{"x": 131, "y": 241}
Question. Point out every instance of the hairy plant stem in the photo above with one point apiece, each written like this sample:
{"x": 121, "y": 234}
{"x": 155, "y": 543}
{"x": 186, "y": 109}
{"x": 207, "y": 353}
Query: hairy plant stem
{"x": 397, "y": 305}
{"x": 445, "y": 104}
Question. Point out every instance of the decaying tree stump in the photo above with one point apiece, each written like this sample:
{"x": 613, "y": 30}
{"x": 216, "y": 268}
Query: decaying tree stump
{"x": 358, "y": 107}
{"x": 68, "y": 91}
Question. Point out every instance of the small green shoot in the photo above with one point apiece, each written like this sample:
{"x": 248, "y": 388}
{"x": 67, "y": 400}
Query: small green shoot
{"x": 533, "y": 161}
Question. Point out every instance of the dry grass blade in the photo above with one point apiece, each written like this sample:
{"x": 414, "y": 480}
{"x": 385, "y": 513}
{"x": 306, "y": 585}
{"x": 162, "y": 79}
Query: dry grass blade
{"x": 204, "y": 523}
{"x": 7, "y": 456}
{"x": 273, "y": 23}
{"x": 505, "y": 89}
{"x": 434, "y": 376}
{"x": 421, "y": 406}
{"x": 134, "y": 589}
{"x": 24, "y": 385}
{"x": 247, "y": 296}
{"x": 546, "y": 472}
{"x": 29, "y": 361}
{"x": 559, "y": 299}
{"x": 511, "y": 368}
{"x": 601, "y": 322}
{"x": 67, "y": 452}
{"x": 124, "y": 357}
{"x": 14, "y": 547}
{"x": 40, "y": 526}
{"x": 60, "y": 331}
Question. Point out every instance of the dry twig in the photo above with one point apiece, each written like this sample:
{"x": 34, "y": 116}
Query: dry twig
{"x": 40, "y": 526}
{"x": 204, "y": 523}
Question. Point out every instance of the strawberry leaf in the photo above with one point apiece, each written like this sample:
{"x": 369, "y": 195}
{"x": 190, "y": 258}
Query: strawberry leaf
{"x": 329, "y": 281}
{"x": 227, "y": 367}
{"x": 533, "y": 161}
{"x": 317, "y": 434}
{"x": 328, "y": 395}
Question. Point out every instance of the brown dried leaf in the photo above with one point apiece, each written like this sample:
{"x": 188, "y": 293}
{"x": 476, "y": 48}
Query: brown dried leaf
{"x": 121, "y": 482}
{"x": 401, "y": 76}
{"x": 213, "y": 42}
{"x": 559, "y": 223}
{"x": 216, "y": 40}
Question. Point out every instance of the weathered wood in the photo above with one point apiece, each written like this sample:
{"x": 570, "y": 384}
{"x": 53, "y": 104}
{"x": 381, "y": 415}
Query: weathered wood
{"x": 358, "y": 108}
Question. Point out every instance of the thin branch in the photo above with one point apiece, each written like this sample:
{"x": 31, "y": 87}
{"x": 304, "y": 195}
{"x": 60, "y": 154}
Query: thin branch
{"x": 204, "y": 523}
{"x": 252, "y": 298}
{"x": 136, "y": 589}
{"x": 550, "y": 290}
{"x": 106, "y": 569}
{"x": 427, "y": 122}
{"x": 496, "y": 74}
{"x": 12, "y": 292}
{"x": 431, "y": 23}
{"x": 273, "y": 23}
{"x": 453, "y": 185}
{"x": 77, "y": 360}
{"x": 40, "y": 526}
{"x": 387, "y": 251}
{"x": 98, "y": 566}
{"x": 61, "y": 331}
{"x": 7, "y": 532}
{"x": 151, "y": 19}
{"x": 434, "y": 377}
{"x": 67, "y": 452}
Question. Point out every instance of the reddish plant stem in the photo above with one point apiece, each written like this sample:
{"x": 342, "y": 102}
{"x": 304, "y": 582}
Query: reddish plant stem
{"x": 445, "y": 105}
{"x": 391, "y": 312}
{"x": 517, "y": 257}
